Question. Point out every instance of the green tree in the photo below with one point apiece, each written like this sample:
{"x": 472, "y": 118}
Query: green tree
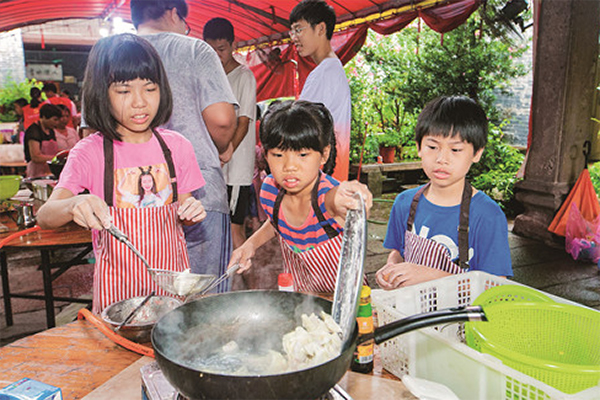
{"x": 11, "y": 92}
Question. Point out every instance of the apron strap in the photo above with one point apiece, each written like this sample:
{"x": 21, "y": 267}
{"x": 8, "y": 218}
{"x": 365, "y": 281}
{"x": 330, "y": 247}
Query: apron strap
{"x": 109, "y": 167}
{"x": 413, "y": 207}
{"x": 463, "y": 223}
{"x": 463, "y": 226}
{"x": 329, "y": 230}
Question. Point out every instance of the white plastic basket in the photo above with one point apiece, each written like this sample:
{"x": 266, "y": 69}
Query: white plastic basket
{"x": 439, "y": 354}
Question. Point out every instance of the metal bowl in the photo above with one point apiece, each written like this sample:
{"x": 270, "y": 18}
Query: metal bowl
{"x": 140, "y": 327}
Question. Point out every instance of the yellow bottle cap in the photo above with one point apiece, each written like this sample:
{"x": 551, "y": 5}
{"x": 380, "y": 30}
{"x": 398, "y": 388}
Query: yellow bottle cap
{"x": 365, "y": 292}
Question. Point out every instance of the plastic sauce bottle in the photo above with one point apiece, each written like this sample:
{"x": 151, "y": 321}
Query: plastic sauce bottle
{"x": 363, "y": 355}
{"x": 285, "y": 282}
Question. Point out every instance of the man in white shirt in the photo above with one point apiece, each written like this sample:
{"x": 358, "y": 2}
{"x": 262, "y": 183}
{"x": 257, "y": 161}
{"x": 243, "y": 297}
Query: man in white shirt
{"x": 312, "y": 23}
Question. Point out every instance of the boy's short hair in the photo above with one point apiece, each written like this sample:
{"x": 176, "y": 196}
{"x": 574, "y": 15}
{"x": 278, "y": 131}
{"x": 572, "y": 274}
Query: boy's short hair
{"x": 453, "y": 115}
{"x": 48, "y": 111}
{"x": 314, "y": 12}
{"x": 121, "y": 58}
{"x": 49, "y": 87}
{"x": 149, "y": 10}
{"x": 218, "y": 28}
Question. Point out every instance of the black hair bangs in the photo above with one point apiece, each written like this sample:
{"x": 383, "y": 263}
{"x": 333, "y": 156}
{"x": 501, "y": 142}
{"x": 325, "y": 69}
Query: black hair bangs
{"x": 130, "y": 61}
{"x": 296, "y": 136}
{"x": 121, "y": 58}
{"x": 454, "y": 116}
{"x": 289, "y": 127}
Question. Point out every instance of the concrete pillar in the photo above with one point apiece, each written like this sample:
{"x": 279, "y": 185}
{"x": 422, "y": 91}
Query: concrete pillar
{"x": 562, "y": 105}
{"x": 12, "y": 57}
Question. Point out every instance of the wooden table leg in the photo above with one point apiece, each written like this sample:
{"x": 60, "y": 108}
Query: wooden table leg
{"x": 6, "y": 289}
{"x": 48, "y": 294}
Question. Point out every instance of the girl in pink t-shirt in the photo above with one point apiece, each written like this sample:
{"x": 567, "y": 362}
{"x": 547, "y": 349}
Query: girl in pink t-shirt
{"x": 127, "y": 97}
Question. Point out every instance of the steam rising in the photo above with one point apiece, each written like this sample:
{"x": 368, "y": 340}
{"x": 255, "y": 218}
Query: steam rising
{"x": 241, "y": 333}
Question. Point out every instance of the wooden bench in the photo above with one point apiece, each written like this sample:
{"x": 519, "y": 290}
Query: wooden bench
{"x": 383, "y": 178}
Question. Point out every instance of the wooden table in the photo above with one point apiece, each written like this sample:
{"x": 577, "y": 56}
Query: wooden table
{"x": 68, "y": 236}
{"x": 85, "y": 364}
{"x": 13, "y": 168}
{"x": 375, "y": 176}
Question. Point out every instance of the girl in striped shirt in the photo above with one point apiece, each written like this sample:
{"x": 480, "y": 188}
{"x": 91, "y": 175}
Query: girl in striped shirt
{"x": 306, "y": 207}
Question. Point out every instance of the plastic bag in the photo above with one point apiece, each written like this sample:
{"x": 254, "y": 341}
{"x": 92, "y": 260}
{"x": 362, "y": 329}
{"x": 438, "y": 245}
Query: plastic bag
{"x": 582, "y": 236}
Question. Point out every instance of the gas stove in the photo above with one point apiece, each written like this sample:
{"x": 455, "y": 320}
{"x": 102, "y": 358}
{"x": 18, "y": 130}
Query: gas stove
{"x": 156, "y": 387}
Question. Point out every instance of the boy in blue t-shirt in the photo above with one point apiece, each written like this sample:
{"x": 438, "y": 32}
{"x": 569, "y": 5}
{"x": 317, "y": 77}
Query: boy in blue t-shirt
{"x": 446, "y": 226}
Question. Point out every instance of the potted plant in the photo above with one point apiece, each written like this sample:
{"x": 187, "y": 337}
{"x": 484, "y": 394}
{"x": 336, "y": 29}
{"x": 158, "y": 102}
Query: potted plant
{"x": 388, "y": 141}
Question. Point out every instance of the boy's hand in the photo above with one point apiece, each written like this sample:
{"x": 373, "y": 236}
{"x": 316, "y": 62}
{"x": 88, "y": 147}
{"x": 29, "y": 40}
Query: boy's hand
{"x": 191, "y": 211}
{"x": 393, "y": 276}
{"x": 90, "y": 212}
{"x": 243, "y": 255}
{"x": 345, "y": 199}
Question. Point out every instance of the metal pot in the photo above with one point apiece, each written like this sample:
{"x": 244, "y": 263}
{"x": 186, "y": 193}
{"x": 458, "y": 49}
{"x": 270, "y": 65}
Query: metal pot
{"x": 258, "y": 320}
{"x": 140, "y": 327}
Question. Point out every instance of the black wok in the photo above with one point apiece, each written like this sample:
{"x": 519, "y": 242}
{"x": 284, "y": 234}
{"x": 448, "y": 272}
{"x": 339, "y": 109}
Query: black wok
{"x": 259, "y": 319}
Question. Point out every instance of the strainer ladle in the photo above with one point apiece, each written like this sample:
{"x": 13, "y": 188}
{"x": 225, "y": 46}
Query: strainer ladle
{"x": 178, "y": 283}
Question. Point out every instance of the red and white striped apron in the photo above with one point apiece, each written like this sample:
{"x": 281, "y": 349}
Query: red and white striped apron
{"x": 313, "y": 270}
{"x": 155, "y": 231}
{"x": 423, "y": 251}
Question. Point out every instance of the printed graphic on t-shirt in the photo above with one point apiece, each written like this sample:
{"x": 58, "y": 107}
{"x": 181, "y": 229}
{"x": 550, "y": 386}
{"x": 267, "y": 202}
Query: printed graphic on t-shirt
{"x": 139, "y": 187}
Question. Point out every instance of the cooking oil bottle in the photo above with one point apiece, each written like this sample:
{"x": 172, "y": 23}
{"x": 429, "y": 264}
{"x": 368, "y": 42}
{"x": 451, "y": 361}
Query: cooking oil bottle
{"x": 363, "y": 355}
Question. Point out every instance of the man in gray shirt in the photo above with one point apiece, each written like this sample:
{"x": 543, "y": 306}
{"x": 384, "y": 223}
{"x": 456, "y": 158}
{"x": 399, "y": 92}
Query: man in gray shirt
{"x": 204, "y": 112}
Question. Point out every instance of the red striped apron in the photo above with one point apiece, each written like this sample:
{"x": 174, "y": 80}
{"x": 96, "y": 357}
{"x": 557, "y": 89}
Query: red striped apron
{"x": 155, "y": 231}
{"x": 423, "y": 251}
{"x": 313, "y": 270}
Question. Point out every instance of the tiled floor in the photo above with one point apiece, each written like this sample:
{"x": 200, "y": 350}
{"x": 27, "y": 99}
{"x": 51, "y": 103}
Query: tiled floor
{"x": 534, "y": 263}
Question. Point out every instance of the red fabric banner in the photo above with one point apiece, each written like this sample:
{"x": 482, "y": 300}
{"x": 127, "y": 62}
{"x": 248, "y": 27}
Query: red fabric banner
{"x": 280, "y": 72}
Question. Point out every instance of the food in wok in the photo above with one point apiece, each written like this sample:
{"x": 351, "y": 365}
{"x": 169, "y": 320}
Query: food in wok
{"x": 316, "y": 341}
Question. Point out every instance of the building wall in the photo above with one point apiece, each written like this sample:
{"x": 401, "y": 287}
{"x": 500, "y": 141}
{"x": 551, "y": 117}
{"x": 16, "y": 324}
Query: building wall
{"x": 516, "y": 105}
{"x": 12, "y": 57}
{"x": 72, "y": 60}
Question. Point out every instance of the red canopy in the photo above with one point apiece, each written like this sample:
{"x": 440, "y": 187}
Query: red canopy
{"x": 263, "y": 23}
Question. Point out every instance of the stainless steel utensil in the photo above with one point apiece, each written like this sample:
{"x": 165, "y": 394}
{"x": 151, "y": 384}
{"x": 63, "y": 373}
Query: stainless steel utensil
{"x": 217, "y": 282}
{"x": 134, "y": 312}
{"x": 120, "y": 236}
{"x": 181, "y": 283}
{"x": 350, "y": 269}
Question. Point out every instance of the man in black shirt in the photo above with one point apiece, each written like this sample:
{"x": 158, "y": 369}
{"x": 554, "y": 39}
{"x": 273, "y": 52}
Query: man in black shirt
{"x": 40, "y": 141}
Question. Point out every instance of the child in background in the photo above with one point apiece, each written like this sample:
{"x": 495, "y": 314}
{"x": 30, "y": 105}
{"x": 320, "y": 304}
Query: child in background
{"x": 66, "y": 137}
{"x": 306, "y": 207}
{"x": 127, "y": 97}
{"x": 219, "y": 34}
{"x": 446, "y": 226}
{"x": 31, "y": 111}
{"x": 20, "y": 131}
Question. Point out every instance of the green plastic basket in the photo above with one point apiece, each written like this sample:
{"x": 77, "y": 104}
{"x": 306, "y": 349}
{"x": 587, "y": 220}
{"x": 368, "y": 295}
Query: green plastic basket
{"x": 558, "y": 344}
{"x": 510, "y": 293}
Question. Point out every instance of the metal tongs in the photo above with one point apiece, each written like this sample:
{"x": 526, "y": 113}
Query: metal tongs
{"x": 221, "y": 279}
{"x": 121, "y": 237}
